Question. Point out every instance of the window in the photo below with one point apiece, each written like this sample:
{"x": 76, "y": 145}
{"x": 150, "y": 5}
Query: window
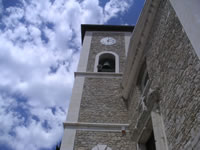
{"x": 107, "y": 61}
{"x": 143, "y": 77}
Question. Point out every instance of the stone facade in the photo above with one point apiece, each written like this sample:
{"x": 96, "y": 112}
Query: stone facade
{"x": 101, "y": 101}
{"x": 174, "y": 70}
{"x": 88, "y": 140}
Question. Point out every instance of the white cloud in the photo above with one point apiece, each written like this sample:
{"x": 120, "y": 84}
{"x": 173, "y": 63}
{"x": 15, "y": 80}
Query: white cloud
{"x": 16, "y": 13}
{"x": 92, "y": 12}
{"x": 38, "y": 55}
{"x": 113, "y": 7}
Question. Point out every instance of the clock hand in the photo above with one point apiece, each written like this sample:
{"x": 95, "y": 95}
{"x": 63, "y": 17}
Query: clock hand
{"x": 108, "y": 40}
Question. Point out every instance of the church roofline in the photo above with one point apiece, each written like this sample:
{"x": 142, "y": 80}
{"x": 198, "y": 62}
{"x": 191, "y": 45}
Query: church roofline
{"x": 95, "y": 27}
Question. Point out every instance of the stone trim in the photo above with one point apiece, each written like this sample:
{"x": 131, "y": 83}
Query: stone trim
{"x": 109, "y": 127}
{"x": 68, "y": 140}
{"x": 128, "y": 32}
{"x": 107, "y": 52}
{"x": 98, "y": 74}
{"x": 155, "y": 124}
{"x": 73, "y": 114}
{"x": 74, "y": 107}
{"x": 82, "y": 66}
{"x": 159, "y": 130}
{"x": 127, "y": 36}
{"x": 137, "y": 43}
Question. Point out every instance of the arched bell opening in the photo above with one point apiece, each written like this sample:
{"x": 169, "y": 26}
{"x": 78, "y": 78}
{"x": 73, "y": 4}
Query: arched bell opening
{"x": 106, "y": 63}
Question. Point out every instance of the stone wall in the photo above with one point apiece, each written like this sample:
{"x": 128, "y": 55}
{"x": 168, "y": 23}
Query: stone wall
{"x": 174, "y": 69}
{"x": 101, "y": 101}
{"x": 97, "y": 47}
{"x": 86, "y": 140}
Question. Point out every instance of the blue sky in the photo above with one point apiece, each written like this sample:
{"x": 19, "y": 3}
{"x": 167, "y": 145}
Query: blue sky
{"x": 40, "y": 43}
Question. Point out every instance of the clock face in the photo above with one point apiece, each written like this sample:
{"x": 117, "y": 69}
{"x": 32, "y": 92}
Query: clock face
{"x": 108, "y": 41}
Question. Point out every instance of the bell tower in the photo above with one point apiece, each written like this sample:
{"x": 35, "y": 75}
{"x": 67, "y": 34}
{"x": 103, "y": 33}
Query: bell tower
{"x": 97, "y": 117}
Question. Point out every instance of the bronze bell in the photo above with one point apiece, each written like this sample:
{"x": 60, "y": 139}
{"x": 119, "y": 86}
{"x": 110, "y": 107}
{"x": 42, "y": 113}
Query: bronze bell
{"x": 106, "y": 65}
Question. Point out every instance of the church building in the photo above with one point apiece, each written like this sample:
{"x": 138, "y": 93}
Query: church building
{"x": 138, "y": 87}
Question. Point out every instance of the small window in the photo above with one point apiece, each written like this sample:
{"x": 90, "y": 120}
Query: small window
{"x": 106, "y": 63}
{"x": 143, "y": 77}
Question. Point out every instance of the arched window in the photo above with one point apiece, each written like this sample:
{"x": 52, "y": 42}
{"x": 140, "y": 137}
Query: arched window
{"x": 101, "y": 147}
{"x": 143, "y": 77}
{"x": 107, "y": 61}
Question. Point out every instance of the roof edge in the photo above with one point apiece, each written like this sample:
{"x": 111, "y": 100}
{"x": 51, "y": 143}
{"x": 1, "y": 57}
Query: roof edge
{"x": 97, "y": 27}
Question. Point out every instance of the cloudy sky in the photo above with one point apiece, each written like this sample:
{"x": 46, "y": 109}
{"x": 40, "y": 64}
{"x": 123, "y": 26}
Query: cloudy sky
{"x": 39, "y": 50}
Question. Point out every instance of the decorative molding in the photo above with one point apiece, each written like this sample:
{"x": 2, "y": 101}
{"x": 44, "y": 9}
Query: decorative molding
{"x": 107, "y": 127}
{"x": 137, "y": 44}
{"x": 98, "y": 74}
